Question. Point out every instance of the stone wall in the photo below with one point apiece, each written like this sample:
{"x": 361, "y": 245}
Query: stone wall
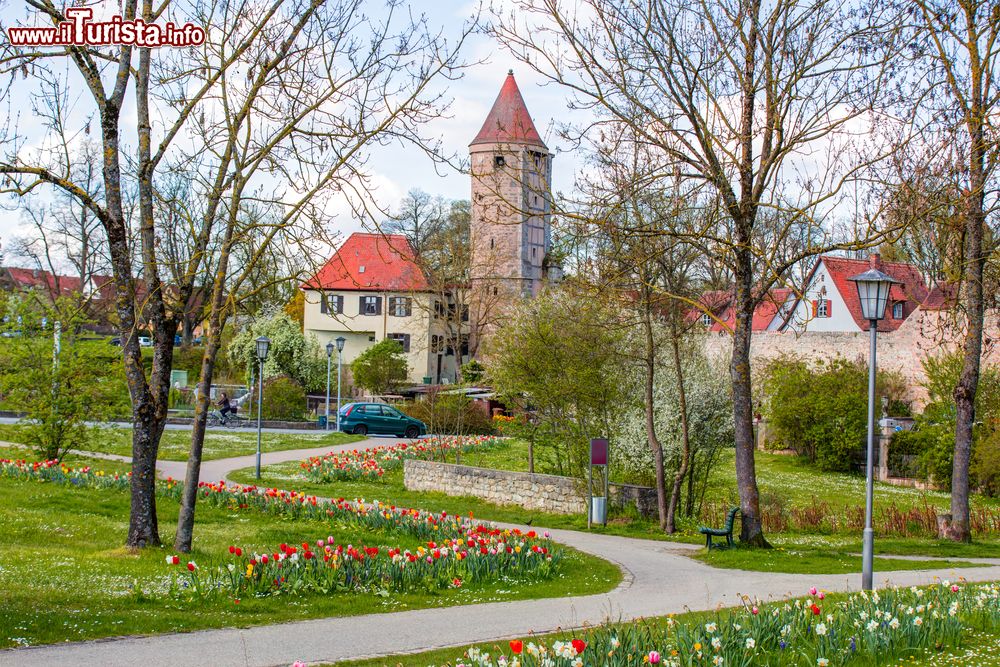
{"x": 923, "y": 334}
{"x": 546, "y": 493}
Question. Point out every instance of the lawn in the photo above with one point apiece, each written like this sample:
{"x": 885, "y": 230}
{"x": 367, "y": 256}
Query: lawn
{"x": 978, "y": 644}
{"x": 64, "y": 575}
{"x": 219, "y": 444}
{"x": 785, "y": 483}
{"x": 813, "y": 561}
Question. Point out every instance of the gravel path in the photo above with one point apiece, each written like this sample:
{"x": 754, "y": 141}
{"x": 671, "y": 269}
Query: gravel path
{"x": 658, "y": 579}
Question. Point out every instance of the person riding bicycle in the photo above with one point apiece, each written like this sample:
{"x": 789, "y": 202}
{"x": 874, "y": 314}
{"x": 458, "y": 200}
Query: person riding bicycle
{"x": 225, "y": 408}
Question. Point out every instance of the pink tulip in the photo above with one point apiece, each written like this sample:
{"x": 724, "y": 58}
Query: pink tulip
{"x": 654, "y": 657}
{"x": 812, "y": 591}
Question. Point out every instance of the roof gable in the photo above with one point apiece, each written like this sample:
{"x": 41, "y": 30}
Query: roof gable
{"x": 373, "y": 262}
{"x": 509, "y": 121}
{"x": 911, "y": 288}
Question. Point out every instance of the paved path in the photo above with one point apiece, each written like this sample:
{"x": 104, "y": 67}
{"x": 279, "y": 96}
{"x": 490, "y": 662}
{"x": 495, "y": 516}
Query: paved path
{"x": 658, "y": 579}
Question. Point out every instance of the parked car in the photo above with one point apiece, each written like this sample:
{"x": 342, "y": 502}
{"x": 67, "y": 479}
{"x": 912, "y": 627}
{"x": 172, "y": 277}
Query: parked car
{"x": 116, "y": 341}
{"x": 364, "y": 418}
{"x": 145, "y": 341}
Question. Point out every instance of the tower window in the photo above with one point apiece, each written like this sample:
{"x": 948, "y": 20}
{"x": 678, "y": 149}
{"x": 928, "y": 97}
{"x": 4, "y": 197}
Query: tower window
{"x": 499, "y": 161}
{"x": 491, "y": 244}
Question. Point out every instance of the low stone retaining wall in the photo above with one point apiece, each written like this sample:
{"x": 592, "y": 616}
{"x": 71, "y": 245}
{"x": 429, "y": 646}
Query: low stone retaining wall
{"x": 545, "y": 493}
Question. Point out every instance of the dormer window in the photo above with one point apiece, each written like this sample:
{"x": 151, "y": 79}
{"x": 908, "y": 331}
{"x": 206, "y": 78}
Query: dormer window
{"x": 499, "y": 161}
{"x": 361, "y": 269}
{"x": 706, "y": 319}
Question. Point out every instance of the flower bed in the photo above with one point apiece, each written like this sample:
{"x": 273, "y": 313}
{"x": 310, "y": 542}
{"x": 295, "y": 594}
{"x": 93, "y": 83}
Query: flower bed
{"x": 370, "y": 464}
{"x": 480, "y": 555}
{"x": 861, "y": 629}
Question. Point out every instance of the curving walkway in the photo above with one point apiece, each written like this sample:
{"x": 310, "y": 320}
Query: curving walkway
{"x": 658, "y": 580}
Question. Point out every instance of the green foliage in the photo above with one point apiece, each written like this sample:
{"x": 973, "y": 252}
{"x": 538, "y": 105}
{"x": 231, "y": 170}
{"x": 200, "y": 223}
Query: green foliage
{"x": 821, "y": 411}
{"x": 473, "y": 372}
{"x": 933, "y": 437}
{"x": 557, "y": 357}
{"x": 284, "y": 399}
{"x": 382, "y": 368}
{"x": 449, "y": 413}
{"x": 710, "y": 421}
{"x": 57, "y": 393}
{"x": 290, "y": 353}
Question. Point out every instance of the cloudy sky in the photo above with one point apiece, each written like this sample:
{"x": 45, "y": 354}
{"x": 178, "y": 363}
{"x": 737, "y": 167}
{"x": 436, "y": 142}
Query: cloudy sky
{"x": 399, "y": 169}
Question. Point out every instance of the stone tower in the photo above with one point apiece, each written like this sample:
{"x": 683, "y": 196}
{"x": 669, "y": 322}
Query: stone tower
{"x": 511, "y": 205}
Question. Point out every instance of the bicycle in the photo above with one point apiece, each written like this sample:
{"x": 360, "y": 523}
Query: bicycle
{"x": 231, "y": 421}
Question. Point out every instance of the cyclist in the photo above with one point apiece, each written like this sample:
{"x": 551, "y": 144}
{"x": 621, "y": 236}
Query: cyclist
{"x": 225, "y": 409}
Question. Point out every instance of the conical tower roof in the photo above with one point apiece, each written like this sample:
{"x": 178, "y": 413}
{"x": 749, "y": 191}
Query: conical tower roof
{"x": 509, "y": 121}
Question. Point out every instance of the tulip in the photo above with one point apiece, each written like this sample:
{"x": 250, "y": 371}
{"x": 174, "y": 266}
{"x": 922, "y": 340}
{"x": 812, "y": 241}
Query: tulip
{"x": 516, "y": 646}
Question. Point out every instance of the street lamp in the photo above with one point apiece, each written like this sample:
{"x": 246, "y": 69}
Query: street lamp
{"x": 873, "y": 292}
{"x": 263, "y": 343}
{"x": 340, "y": 353}
{"x": 329, "y": 356}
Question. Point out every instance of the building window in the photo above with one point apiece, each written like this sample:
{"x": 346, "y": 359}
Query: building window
{"x": 331, "y": 304}
{"x": 439, "y": 310}
{"x": 370, "y": 305}
{"x": 499, "y": 161}
{"x": 706, "y": 319}
{"x": 897, "y": 310}
{"x": 823, "y": 308}
{"x": 465, "y": 313}
{"x": 402, "y": 339}
{"x": 400, "y": 306}
{"x": 437, "y": 343}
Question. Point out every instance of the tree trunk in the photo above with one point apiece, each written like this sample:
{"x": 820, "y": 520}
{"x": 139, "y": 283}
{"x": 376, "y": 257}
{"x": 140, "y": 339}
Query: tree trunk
{"x": 649, "y": 361}
{"x": 751, "y": 531}
{"x": 972, "y": 307}
{"x": 675, "y": 493}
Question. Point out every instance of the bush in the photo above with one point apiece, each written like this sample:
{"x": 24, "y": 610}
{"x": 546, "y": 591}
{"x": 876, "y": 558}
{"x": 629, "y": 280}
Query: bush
{"x": 284, "y": 399}
{"x": 453, "y": 414}
{"x": 290, "y": 353}
{"x": 821, "y": 411}
{"x": 933, "y": 437}
{"x": 381, "y": 368}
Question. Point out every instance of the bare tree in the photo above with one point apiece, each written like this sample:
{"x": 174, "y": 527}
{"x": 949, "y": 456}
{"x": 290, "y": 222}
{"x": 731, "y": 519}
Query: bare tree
{"x": 764, "y": 104}
{"x": 259, "y": 101}
{"x": 957, "y": 49}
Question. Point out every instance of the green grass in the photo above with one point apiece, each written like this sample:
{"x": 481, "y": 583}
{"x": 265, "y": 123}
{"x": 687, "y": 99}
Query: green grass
{"x": 390, "y": 489}
{"x": 64, "y": 575}
{"x": 219, "y": 444}
{"x": 978, "y": 648}
{"x": 812, "y": 561}
{"x": 72, "y": 460}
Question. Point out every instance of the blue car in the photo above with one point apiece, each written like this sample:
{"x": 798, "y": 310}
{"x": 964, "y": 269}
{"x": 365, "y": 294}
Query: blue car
{"x": 379, "y": 418}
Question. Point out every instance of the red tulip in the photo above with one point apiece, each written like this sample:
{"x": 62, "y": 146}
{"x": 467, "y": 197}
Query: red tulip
{"x": 517, "y": 646}
{"x": 579, "y": 645}
{"x": 191, "y": 566}
{"x": 232, "y": 549}
{"x": 815, "y": 610}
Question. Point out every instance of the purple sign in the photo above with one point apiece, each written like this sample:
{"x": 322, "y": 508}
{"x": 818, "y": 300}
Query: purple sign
{"x": 599, "y": 452}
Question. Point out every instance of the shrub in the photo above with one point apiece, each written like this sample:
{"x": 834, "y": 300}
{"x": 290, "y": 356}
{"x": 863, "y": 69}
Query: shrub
{"x": 450, "y": 413}
{"x": 986, "y": 465}
{"x": 284, "y": 399}
{"x": 381, "y": 368}
{"x": 821, "y": 411}
{"x": 290, "y": 353}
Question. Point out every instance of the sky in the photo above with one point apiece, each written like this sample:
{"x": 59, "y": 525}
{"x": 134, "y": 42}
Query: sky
{"x": 397, "y": 168}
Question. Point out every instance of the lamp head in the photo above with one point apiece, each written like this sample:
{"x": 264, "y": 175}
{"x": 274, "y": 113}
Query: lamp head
{"x": 873, "y": 292}
{"x": 340, "y": 343}
{"x": 329, "y": 349}
{"x": 263, "y": 344}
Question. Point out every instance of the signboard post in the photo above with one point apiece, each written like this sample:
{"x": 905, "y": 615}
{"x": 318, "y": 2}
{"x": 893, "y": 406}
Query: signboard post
{"x": 597, "y": 507}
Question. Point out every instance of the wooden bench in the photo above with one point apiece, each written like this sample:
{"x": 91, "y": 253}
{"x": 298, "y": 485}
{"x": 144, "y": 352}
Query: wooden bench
{"x": 726, "y": 532}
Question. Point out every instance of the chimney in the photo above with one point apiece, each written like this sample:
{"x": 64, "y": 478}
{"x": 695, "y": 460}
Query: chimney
{"x": 875, "y": 261}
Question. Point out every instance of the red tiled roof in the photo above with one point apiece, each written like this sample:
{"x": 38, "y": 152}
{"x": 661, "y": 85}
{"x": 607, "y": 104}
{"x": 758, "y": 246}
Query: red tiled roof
{"x": 388, "y": 265}
{"x": 912, "y": 289}
{"x": 762, "y": 314}
{"x": 509, "y": 120}
{"x": 941, "y": 297}
{"x": 35, "y": 278}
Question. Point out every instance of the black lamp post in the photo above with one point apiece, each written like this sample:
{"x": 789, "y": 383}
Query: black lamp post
{"x": 873, "y": 292}
{"x": 329, "y": 357}
{"x": 263, "y": 343}
{"x": 340, "y": 362}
